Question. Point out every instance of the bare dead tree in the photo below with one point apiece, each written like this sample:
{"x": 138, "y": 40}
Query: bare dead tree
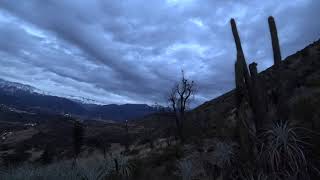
{"x": 179, "y": 98}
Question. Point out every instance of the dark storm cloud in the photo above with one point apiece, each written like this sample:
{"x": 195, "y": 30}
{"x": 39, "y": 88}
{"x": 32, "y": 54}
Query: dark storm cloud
{"x": 133, "y": 51}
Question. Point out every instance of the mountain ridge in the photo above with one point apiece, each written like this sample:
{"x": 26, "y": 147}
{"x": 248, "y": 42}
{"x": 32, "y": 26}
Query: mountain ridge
{"x": 28, "y": 98}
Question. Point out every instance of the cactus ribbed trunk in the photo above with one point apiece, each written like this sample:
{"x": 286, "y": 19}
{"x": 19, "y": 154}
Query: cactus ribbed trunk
{"x": 236, "y": 36}
{"x": 253, "y": 111}
{"x": 240, "y": 55}
{"x": 275, "y": 41}
{"x": 127, "y": 136}
{"x": 253, "y": 71}
{"x": 259, "y": 100}
{"x": 244, "y": 97}
{"x": 281, "y": 107}
{"x": 239, "y": 81}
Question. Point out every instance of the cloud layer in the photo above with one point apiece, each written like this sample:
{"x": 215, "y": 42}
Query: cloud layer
{"x": 132, "y": 51}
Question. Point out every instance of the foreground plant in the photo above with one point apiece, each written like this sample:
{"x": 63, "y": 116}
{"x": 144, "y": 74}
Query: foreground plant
{"x": 224, "y": 154}
{"x": 283, "y": 148}
{"x": 121, "y": 167}
{"x": 114, "y": 167}
{"x": 186, "y": 169}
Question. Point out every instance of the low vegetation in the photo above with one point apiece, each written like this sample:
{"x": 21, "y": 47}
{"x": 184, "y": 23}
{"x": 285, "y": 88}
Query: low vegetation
{"x": 282, "y": 155}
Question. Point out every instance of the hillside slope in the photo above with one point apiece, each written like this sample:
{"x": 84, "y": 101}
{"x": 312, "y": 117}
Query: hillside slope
{"x": 300, "y": 80}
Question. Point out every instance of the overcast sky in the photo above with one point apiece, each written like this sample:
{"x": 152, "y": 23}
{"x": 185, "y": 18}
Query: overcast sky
{"x": 132, "y": 51}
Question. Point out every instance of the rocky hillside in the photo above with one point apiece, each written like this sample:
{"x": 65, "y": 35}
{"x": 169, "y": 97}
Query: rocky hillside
{"x": 300, "y": 80}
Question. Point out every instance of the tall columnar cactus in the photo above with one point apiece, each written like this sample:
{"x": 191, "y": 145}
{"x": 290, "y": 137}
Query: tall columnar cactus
{"x": 240, "y": 55}
{"x": 275, "y": 41}
{"x": 253, "y": 71}
{"x": 78, "y": 135}
{"x": 278, "y": 91}
{"x": 236, "y": 36}
{"x": 239, "y": 81}
{"x": 259, "y": 104}
{"x": 127, "y": 136}
{"x": 244, "y": 97}
{"x": 242, "y": 73}
{"x": 254, "y": 91}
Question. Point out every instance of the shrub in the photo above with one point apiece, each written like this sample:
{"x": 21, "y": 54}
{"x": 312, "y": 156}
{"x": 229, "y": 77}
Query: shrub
{"x": 27, "y": 172}
{"x": 169, "y": 154}
{"x": 15, "y": 159}
{"x": 47, "y": 155}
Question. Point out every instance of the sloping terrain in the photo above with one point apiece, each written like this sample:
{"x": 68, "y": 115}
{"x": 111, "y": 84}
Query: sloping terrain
{"x": 300, "y": 80}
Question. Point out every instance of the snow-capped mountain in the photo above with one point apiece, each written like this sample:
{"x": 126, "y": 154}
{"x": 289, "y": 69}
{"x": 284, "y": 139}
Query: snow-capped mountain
{"x": 28, "y": 98}
{"x": 12, "y": 87}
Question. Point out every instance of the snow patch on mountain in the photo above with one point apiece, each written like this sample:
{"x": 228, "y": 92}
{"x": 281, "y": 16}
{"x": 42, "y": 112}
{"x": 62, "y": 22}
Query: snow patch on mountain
{"x": 14, "y": 87}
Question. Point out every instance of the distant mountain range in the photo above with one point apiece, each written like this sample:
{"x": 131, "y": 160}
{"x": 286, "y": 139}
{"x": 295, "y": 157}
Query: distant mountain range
{"x": 28, "y": 98}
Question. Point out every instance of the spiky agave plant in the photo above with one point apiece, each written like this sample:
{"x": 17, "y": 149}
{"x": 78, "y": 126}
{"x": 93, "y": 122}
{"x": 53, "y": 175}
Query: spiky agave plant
{"x": 283, "y": 148}
{"x": 121, "y": 166}
{"x": 224, "y": 154}
{"x": 98, "y": 169}
{"x": 218, "y": 162}
{"x": 252, "y": 175}
{"x": 185, "y": 169}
